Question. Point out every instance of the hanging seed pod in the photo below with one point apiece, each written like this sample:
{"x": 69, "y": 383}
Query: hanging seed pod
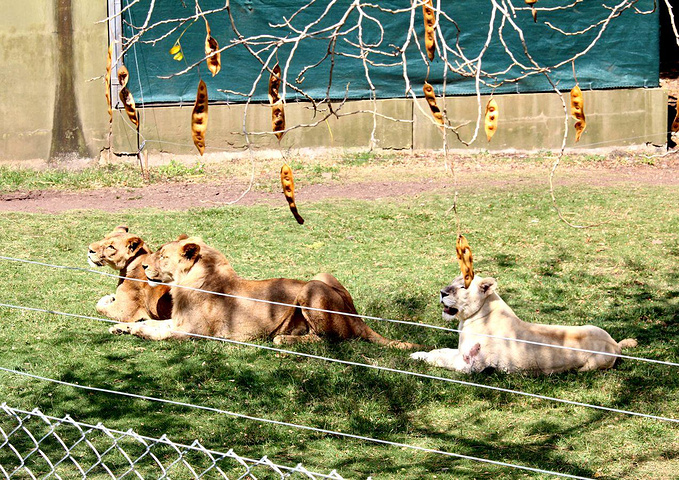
{"x": 288, "y": 185}
{"x": 214, "y": 62}
{"x": 107, "y": 79}
{"x": 491, "y": 119}
{"x": 430, "y": 96}
{"x": 532, "y": 9}
{"x": 199, "y": 117}
{"x": 578, "y": 111}
{"x": 464, "y": 256}
{"x": 277, "y": 106}
{"x": 278, "y": 119}
{"x": 429, "y": 34}
{"x": 130, "y": 107}
{"x": 123, "y": 76}
{"x": 274, "y": 84}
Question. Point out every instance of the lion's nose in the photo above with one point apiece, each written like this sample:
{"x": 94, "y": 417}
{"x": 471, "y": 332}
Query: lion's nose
{"x": 91, "y": 251}
{"x": 444, "y": 293}
{"x": 144, "y": 266}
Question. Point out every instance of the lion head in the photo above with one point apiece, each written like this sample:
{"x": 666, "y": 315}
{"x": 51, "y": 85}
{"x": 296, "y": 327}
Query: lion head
{"x": 171, "y": 262}
{"x": 116, "y": 249}
{"x": 460, "y": 302}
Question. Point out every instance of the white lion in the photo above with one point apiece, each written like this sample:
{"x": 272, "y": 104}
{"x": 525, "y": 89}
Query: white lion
{"x": 482, "y": 313}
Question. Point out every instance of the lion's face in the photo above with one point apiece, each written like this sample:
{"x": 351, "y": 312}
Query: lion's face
{"x": 172, "y": 261}
{"x": 115, "y": 250}
{"x": 461, "y": 303}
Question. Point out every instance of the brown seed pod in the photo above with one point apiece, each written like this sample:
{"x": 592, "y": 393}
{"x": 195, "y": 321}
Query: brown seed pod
{"x": 199, "y": 117}
{"x": 130, "y": 107}
{"x": 214, "y": 62}
{"x": 492, "y": 114}
{"x": 277, "y": 105}
{"x": 675, "y": 123}
{"x": 532, "y": 9}
{"x": 278, "y": 119}
{"x": 430, "y": 96}
{"x": 464, "y": 255}
{"x": 578, "y": 111}
{"x": 107, "y": 78}
{"x": 274, "y": 84}
{"x": 429, "y": 33}
{"x": 288, "y": 184}
{"x": 123, "y": 76}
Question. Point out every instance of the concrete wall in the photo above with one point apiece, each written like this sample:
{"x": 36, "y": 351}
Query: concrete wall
{"x": 536, "y": 121}
{"x": 527, "y": 122}
{"x": 30, "y": 75}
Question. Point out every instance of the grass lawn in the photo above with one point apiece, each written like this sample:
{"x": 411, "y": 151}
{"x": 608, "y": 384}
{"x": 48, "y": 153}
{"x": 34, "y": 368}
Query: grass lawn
{"x": 393, "y": 255}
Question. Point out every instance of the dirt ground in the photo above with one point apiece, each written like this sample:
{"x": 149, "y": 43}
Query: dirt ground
{"x": 658, "y": 170}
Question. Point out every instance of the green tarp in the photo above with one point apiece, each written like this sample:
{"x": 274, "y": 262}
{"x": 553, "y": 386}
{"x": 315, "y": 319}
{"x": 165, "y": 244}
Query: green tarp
{"x": 626, "y": 55}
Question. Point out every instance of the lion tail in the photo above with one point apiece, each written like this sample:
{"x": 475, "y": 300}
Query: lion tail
{"x": 404, "y": 345}
{"x": 374, "y": 337}
{"x": 627, "y": 343}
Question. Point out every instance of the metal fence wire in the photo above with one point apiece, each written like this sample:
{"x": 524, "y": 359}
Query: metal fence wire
{"x": 34, "y": 445}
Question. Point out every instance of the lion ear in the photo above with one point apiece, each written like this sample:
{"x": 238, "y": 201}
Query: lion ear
{"x": 122, "y": 228}
{"x": 134, "y": 244}
{"x": 190, "y": 251}
{"x": 487, "y": 285}
{"x": 181, "y": 237}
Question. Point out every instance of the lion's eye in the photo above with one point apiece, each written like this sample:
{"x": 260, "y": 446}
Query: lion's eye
{"x": 111, "y": 246}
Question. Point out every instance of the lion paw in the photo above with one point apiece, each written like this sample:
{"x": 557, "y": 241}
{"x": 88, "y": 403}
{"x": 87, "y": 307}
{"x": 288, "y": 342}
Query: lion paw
{"x": 397, "y": 344}
{"x": 419, "y": 356}
{"x": 120, "y": 329}
{"x": 105, "y": 301}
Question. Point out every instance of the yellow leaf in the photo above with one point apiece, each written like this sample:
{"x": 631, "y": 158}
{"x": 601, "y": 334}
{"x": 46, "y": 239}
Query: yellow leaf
{"x": 175, "y": 49}
{"x": 179, "y": 56}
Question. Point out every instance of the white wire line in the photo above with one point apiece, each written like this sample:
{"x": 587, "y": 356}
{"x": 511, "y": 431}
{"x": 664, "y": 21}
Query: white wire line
{"x": 288, "y": 424}
{"x": 374, "y": 367}
{"x": 367, "y": 317}
{"x": 164, "y": 440}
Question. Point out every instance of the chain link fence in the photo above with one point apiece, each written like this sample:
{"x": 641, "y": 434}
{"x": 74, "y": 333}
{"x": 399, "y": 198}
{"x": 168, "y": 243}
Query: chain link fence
{"x": 34, "y": 445}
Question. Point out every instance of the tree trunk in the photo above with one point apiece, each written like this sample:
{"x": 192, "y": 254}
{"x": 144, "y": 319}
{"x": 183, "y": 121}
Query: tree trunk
{"x": 67, "y": 135}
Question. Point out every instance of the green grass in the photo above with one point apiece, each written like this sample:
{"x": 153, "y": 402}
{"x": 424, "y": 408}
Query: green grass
{"x": 343, "y": 166}
{"x": 109, "y": 175}
{"x": 393, "y": 256}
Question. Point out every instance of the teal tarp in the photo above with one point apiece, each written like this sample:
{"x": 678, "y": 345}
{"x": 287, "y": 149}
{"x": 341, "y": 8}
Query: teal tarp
{"x": 626, "y": 55}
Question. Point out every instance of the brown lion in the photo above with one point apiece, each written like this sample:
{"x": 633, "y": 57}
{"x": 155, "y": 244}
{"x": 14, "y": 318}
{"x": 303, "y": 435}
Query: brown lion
{"x": 134, "y": 299}
{"x": 278, "y": 313}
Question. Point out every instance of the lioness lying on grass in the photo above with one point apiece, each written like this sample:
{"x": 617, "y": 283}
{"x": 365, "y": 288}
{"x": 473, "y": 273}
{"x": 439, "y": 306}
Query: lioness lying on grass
{"x": 480, "y": 310}
{"x": 189, "y": 262}
{"x": 133, "y": 300}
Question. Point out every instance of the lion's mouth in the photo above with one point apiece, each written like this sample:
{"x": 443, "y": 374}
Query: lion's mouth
{"x": 452, "y": 311}
{"x": 154, "y": 280}
{"x": 93, "y": 263}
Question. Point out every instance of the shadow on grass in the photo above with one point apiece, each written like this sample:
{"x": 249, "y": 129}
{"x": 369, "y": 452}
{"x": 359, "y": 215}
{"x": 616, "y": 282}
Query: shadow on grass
{"x": 361, "y": 401}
